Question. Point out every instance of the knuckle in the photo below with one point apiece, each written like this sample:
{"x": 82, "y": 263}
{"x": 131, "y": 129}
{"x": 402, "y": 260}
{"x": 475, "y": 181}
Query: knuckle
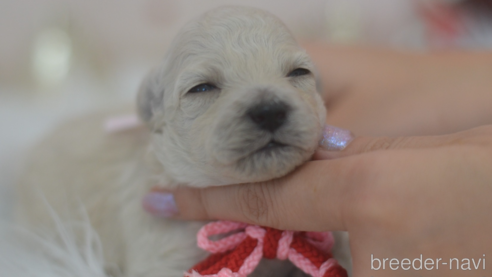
{"x": 378, "y": 144}
{"x": 255, "y": 203}
{"x": 386, "y": 143}
{"x": 402, "y": 142}
{"x": 206, "y": 205}
{"x": 252, "y": 202}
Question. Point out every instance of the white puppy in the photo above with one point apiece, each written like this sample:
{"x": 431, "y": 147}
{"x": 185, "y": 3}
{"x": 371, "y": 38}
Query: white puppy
{"x": 235, "y": 100}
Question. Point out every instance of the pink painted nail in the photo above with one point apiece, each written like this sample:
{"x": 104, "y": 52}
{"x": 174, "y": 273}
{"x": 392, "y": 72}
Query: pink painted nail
{"x": 160, "y": 204}
{"x": 335, "y": 138}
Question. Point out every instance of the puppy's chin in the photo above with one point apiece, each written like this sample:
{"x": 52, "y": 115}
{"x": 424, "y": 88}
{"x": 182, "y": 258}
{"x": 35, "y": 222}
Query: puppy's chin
{"x": 271, "y": 161}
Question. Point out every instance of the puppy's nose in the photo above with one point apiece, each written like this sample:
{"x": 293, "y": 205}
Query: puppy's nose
{"x": 269, "y": 116}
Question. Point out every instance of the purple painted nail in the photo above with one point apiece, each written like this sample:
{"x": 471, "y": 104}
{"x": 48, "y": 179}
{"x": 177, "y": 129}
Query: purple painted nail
{"x": 160, "y": 204}
{"x": 335, "y": 138}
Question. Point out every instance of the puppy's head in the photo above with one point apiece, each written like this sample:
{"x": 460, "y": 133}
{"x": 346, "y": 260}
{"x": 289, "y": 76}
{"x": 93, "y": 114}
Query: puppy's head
{"x": 234, "y": 101}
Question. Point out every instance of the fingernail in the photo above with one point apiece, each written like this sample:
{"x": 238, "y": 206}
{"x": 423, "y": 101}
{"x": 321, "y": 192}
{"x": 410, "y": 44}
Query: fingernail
{"x": 335, "y": 138}
{"x": 160, "y": 204}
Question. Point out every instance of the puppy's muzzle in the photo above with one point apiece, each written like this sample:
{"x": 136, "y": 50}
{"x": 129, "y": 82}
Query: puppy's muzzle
{"x": 269, "y": 116}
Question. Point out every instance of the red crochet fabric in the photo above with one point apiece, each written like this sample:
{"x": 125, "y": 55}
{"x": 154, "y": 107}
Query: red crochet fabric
{"x": 238, "y": 254}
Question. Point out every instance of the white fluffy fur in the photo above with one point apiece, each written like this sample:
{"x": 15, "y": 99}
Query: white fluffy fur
{"x": 198, "y": 139}
{"x": 202, "y": 139}
{"x": 63, "y": 253}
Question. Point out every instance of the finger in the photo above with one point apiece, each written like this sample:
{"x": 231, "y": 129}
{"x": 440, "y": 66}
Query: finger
{"x": 359, "y": 145}
{"x": 478, "y": 136}
{"x": 306, "y": 200}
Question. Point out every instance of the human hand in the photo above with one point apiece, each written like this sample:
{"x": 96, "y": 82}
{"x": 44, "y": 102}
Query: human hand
{"x": 397, "y": 197}
{"x": 385, "y": 92}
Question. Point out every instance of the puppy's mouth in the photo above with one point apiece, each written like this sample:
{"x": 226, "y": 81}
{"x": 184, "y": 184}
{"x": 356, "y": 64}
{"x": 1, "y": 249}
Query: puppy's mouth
{"x": 273, "y": 159}
{"x": 272, "y": 145}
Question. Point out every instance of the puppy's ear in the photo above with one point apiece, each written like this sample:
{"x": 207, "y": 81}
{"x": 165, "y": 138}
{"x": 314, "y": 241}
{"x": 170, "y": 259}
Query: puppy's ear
{"x": 149, "y": 100}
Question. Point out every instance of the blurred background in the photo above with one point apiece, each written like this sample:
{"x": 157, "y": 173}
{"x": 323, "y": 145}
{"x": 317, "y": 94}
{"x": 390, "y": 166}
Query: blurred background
{"x": 63, "y": 58}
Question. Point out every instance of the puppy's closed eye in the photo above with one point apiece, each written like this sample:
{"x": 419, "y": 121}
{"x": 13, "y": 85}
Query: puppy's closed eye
{"x": 202, "y": 88}
{"x": 298, "y": 72}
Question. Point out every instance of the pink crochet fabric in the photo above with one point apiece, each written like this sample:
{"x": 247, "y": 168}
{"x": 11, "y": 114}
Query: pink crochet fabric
{"x": 238, "y": 254}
